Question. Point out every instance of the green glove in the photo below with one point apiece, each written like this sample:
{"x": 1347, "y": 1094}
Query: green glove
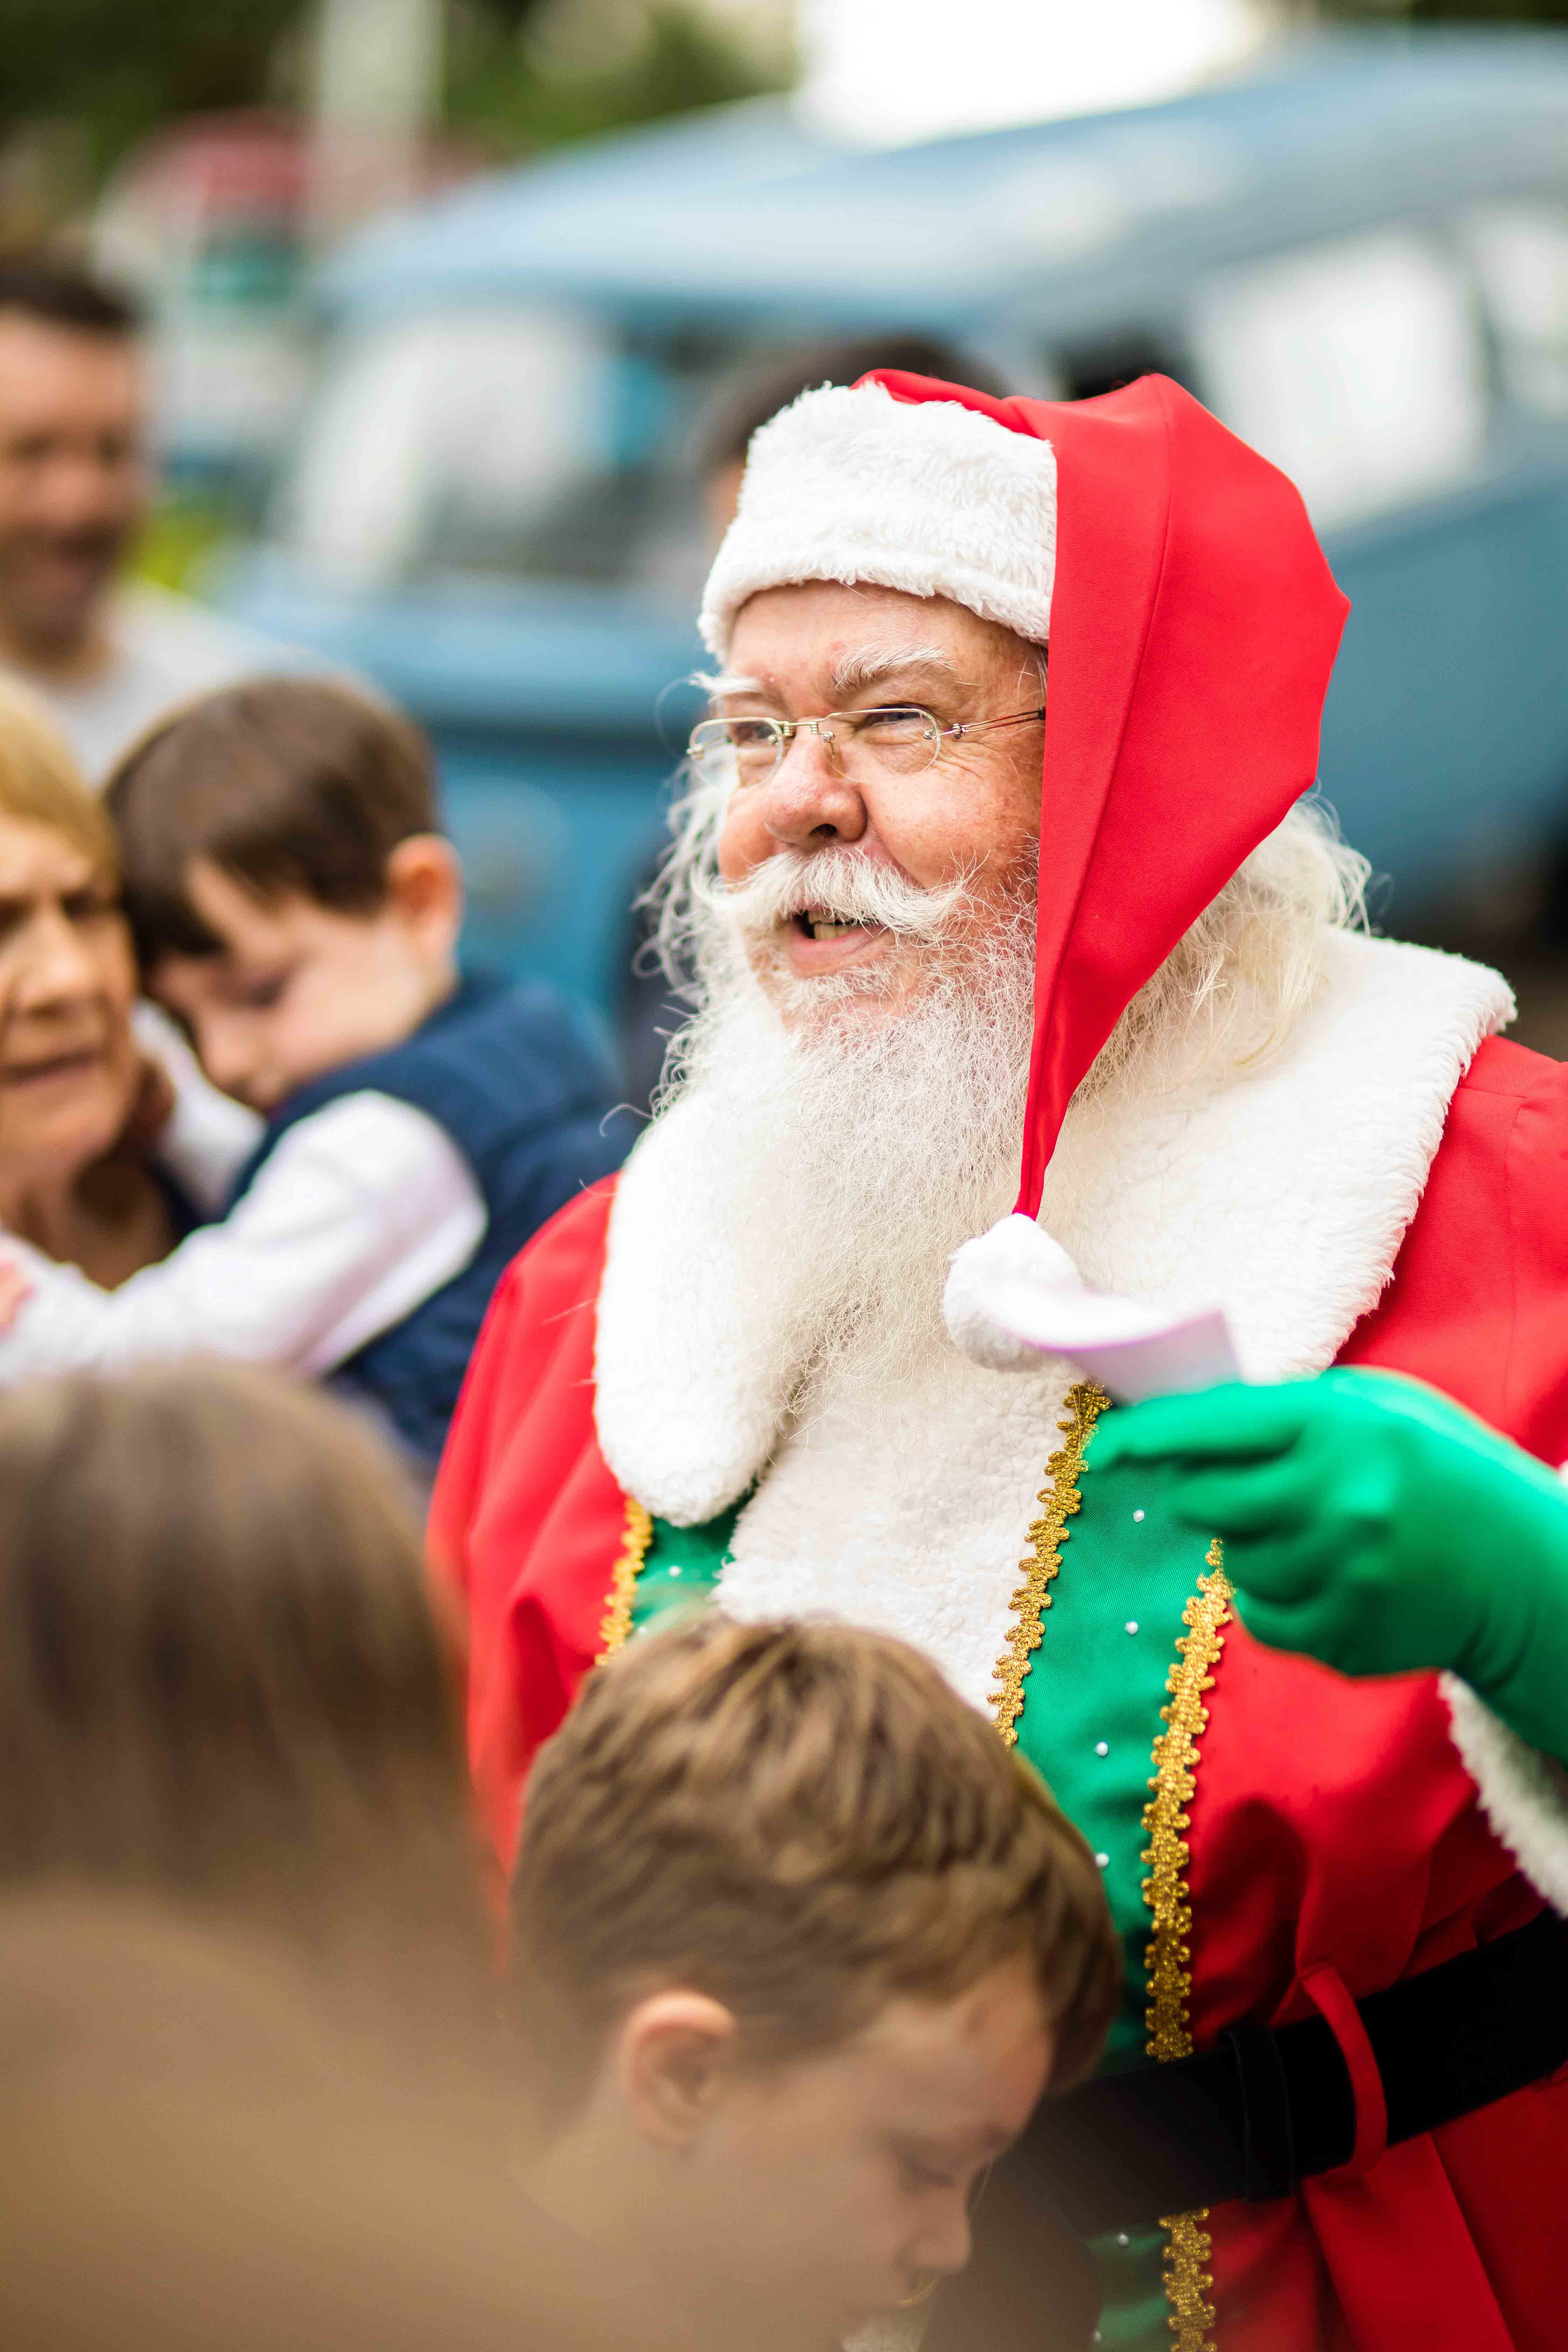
{"x": 1373, "y": 1525}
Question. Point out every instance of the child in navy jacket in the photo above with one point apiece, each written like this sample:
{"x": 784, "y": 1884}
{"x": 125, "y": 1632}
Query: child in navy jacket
{"x": 297, "y": 910}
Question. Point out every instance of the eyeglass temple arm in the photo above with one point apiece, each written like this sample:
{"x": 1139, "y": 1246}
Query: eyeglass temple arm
{"x": 979, "y": 726}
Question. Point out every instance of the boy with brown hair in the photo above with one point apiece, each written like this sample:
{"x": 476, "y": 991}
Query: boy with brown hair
{"x": 297, "y": 908}
{"x": 798, "y": 1945}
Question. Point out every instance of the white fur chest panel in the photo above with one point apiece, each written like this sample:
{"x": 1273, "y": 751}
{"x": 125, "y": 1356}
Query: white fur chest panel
{"x": 906, "y": 1510}
{"x": 1284, "y": 1193}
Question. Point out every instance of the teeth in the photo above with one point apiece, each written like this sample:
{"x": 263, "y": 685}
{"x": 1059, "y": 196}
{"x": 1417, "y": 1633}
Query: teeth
{"x": 821, "y": 927}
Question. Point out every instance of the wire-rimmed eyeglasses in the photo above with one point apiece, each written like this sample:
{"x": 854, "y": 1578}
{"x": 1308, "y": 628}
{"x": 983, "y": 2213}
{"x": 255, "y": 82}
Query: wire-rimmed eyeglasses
{"x": 897, "y": 740}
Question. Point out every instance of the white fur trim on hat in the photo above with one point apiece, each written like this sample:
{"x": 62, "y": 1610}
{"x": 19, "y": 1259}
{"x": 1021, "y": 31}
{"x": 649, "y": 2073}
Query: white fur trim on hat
{"x": 923, "y": 496}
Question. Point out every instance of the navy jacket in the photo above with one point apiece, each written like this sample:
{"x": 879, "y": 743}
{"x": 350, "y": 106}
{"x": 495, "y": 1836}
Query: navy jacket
{"x": 511, "y": 1076}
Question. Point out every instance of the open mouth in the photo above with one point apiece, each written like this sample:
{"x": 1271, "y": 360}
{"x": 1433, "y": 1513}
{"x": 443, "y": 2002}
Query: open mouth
{"x": 811, "y": 923}
{"x": 76, "y": 1065}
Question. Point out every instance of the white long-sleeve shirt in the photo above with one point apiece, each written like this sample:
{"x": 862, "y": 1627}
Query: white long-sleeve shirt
{"x": 363, "y": 1212}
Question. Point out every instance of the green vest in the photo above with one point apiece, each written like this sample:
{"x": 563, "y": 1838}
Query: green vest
{"x": 1093, "y": 1700}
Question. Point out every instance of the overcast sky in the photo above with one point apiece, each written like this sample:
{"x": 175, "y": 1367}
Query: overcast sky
{"x": 897, "y": 70}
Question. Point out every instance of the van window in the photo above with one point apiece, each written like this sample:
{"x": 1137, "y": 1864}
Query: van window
{"x": 502, "y": 439}
{"x": 1521, "y": 261}
{"x": 1357, "y": 367}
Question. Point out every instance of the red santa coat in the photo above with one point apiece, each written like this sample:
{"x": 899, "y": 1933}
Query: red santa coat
{"x": 1186, "y": 678}
{"x": 1310, "y": 1788}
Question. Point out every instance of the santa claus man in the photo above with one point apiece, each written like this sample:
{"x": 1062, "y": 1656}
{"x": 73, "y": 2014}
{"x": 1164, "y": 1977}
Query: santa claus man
{"x": 938, "y": 905}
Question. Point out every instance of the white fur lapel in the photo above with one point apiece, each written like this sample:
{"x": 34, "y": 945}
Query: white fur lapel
{"x": 1285, "y": 1194}
{"x": 689, "y": 1395}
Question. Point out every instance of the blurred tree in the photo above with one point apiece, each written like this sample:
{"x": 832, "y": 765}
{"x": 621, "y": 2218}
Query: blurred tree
{"x": 117, "y": 71}
{"x": 521, "y": 73}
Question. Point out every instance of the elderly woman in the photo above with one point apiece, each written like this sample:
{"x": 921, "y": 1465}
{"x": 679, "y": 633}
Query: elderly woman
{"x": 80, "y": 1097}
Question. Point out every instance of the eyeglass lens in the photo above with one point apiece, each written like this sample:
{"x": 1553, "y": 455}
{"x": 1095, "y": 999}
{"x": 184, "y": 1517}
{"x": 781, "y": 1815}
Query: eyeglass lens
{"x": 896, "y": 741}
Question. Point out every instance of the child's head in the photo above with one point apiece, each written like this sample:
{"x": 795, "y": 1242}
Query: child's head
{"x": 293, "y": 901}
{"x": 798, "y": 1945}
{"x": 221, "y": 1682}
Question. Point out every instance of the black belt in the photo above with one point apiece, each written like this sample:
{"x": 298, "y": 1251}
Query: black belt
{"x": 1266, "y": 2108}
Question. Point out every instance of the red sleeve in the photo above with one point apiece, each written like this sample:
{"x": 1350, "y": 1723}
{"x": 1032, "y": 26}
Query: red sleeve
{"x": 557, "y": 1273}
{"x": 1479, "y": 1302}
{"x": 525, "y": 1516}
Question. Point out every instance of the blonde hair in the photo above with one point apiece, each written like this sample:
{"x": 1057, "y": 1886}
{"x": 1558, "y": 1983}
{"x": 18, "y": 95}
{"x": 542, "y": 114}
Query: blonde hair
{"x": 803, "y": 1821}
{"x": 40, "y": 782}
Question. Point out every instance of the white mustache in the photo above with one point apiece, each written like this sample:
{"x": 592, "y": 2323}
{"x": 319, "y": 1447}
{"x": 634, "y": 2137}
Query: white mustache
{"x": 843, "y": 886}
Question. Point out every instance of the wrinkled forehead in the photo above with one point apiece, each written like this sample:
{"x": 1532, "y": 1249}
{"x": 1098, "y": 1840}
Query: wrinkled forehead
{"x": 837, "y": 646}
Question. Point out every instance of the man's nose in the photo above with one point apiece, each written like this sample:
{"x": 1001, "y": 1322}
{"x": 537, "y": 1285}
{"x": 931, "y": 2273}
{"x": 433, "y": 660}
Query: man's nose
{"x": 808, "y": 800}
{"x": 78, "y": 487}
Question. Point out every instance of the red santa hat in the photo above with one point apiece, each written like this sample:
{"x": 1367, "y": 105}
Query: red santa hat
{"x": 1193, "y": 624}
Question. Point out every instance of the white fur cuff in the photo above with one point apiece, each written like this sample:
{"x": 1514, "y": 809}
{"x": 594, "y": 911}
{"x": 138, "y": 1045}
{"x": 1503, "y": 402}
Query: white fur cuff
{"x": 1524, "y": 1794}
{"x": 925, "y": 496}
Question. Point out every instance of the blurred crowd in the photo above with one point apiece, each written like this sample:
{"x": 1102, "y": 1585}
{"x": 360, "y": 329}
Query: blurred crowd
{"x": 791, "y": 1945}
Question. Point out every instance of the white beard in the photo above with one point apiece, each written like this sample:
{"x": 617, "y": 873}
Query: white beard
{"x": 845, "y": 1160}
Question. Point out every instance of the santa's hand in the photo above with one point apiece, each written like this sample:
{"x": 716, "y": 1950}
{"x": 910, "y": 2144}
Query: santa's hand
{"x": 14, "y": 1292}
{"x": 1371, "y": 1523}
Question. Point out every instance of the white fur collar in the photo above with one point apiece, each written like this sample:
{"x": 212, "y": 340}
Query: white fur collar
{"x": 1285, "y": 1194}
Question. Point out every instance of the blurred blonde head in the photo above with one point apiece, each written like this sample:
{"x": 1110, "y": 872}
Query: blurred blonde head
{"x": 221, "y": 1681}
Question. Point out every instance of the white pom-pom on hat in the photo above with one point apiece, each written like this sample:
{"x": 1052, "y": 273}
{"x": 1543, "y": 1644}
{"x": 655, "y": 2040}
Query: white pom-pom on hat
{"x": 849, "y": 484}
{"x": 993, "y": 1282}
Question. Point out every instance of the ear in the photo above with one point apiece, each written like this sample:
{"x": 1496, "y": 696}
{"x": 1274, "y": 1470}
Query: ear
{"x": 425, "y": 891}
{"x": 675, "y": 2053}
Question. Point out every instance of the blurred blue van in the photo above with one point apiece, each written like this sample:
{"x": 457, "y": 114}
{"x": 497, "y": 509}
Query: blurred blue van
{"x": 1358, "y": 256}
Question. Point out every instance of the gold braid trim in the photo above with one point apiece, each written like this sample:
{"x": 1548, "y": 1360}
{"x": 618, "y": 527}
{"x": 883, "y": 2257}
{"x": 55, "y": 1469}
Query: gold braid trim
{"x": 1084, "y": 1405}
{"x": 615, "y": 1630}
{"x": 1188, "y": 2245}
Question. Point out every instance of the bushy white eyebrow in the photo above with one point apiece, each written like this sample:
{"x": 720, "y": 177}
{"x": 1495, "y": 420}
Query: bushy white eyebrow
{"x": 853, "y": 674}
{"x": 870, "y": 664}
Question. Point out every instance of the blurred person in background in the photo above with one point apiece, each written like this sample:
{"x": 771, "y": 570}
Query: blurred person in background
{"x": 103, "y": 1164}
{"x": 655, "y": 999}
{"x": 189, "y": 2163}
{"x": 812, "y": 1352}
{"x": 223, "y": 1686}
{"x": 296, "y": 909}
{"x": 252, "y": 2086}
{"x": 108, "y": 655}
{"x": 796, "y": 1947}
